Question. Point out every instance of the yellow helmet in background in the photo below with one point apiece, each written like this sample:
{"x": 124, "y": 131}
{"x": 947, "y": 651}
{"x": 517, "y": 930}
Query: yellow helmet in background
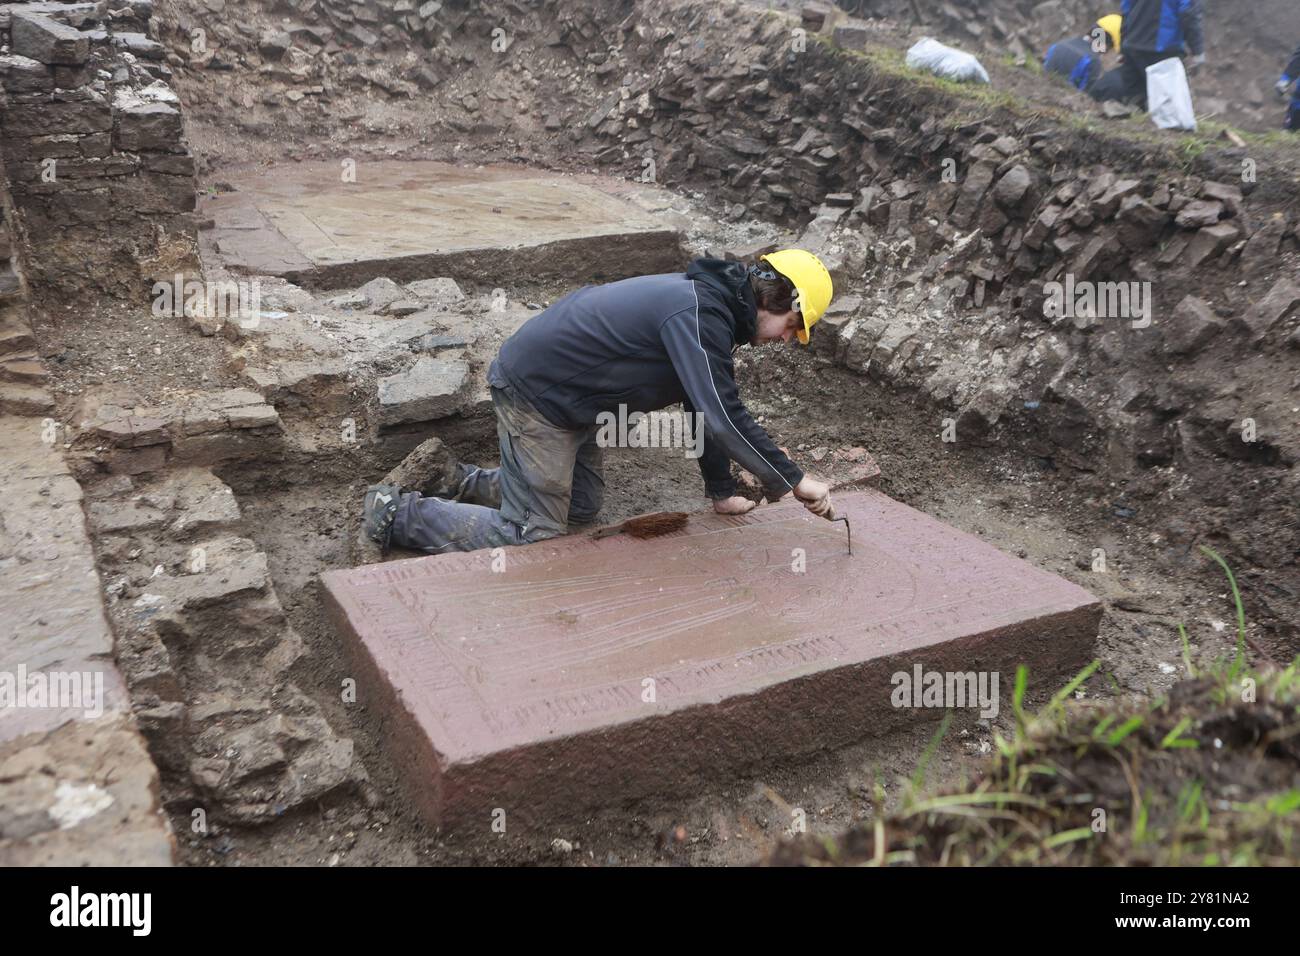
{"x": 1111, "y": 24}
{"x": 811, "y": 281}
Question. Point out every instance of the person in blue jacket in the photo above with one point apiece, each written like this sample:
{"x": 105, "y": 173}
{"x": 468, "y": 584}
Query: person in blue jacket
{"x": 625, "y": 347}
{"x": 1291, "y": 79}
{"x": 1155, "y": 30}
{"x": 1079, "y": 59}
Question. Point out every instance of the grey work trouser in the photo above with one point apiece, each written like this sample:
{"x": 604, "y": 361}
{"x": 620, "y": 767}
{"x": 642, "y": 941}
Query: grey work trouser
{"x": 548, "y": 478}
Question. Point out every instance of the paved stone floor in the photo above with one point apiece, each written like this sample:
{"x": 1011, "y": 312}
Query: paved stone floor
{"x": 77, "y": 786}
{"x": 576, "y": 672}
{"x": 411, "y": 220}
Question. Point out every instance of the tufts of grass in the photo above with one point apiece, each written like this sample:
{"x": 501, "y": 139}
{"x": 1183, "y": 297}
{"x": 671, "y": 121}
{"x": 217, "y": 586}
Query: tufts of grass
{"x": 1202, "y": 776}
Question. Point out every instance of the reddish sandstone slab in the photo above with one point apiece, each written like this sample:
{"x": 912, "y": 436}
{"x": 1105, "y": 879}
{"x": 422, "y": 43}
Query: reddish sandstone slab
{"x": 527, "y": 688}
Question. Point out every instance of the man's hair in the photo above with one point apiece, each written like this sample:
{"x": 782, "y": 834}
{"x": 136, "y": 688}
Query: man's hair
{"x": 775, "y": 294}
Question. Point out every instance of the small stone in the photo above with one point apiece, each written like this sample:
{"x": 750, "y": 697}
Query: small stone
{"x": 1260, "y": 254}
{"x": 401, "y": 307}
{"x": 140, "y": 45}
{"x": 1208, "y": 243}
{"x": 1191, "y": 327}
{"x": 1012, "y": 187}
{"x": 274, "y": 43}
{"x": 430, "y": 389}
{"x": 1230, "y": 196}
{"x": 850, "y": 37}
{"x": 360, "y": 35}
{"x": 380, "y": 292}
{"x": 1198, "y": 213}
{"x": 348, "y": 300}
{"x": 252, "y": 416}
{"x": 1281, "y": 301}
{"x": 441, "y": 293}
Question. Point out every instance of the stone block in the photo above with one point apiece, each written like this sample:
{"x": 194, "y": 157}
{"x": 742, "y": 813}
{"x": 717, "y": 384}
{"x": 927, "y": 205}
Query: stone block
{"x": 1198, "y": 213}
{"x": 1280, "y": 302}
{"x": 430, "y": 389}
{"x": 590, "y": 672}
{"x": 149, "y": 126}
{"x": 20, "y": 74}
{"x": 48, "y": 41}
{"x": 850, "y": 37}
{"x": 81, "y": 111}
{"x": 1192, "y": 326}
{"x": 1207, "y": 243}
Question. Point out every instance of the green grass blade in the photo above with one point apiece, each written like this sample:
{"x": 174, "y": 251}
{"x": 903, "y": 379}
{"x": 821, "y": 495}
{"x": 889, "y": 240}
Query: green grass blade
{"x": 918, "y": 778}
{"x": 1064, "y": 693}
{"x": 1240, "y": 659}
{"x": 1124, "y": 729}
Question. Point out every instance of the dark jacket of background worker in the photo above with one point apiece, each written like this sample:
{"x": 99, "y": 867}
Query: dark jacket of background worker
{"x": 1289, "y": 76}
{"x": 1076, "y": 60}
{"x": 1155, "y": 30}
{"x": 1079, "y": 59}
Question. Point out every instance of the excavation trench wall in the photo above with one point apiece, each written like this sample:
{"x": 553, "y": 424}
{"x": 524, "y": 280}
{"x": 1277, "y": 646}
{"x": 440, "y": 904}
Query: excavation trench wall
{"x": 92, "y": 142}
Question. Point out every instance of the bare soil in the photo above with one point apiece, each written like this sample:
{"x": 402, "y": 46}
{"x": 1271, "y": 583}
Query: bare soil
{"x": 304, "y": 523}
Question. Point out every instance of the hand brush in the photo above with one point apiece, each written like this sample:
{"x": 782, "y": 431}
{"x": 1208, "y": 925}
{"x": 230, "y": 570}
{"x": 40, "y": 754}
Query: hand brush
{"x": 646, "y": 526}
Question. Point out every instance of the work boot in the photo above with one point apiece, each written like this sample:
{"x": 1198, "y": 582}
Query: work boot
{"x": 378, "y": 511}
{"x": 429, "y": 469}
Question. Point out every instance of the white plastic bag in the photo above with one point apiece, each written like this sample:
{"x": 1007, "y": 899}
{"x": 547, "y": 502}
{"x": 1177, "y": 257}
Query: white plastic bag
{"x": 1169, "y": 98}
{"x": 929, "y": 54}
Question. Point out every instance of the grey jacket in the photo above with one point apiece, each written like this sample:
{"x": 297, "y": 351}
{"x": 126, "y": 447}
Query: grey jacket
{"x": 647, "y": 343}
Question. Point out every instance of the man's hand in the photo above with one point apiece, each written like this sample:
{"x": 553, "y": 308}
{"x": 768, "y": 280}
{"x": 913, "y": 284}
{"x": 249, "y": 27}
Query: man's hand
{"x": 1197, "y": 62}
{"x": 816, "y": 497}
{"x": 1281, "y": 87}
{"x": 733, "y": 506}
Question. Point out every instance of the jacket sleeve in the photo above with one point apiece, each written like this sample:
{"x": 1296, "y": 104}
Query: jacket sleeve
{"x": 1292, "y": 71}
{"x": 1191, "y": 17}
{"x": 700, "y": 351}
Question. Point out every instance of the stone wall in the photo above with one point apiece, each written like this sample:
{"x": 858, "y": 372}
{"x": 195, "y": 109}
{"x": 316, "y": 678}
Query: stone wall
{"x": 93, "y": 144}
{"x": 958, "y": 228}
{"x": 22, "y": 376}
{"x": 77, "y": 786}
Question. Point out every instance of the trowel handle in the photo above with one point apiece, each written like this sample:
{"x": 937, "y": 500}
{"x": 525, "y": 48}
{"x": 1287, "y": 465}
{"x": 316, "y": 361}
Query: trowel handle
{"x": 828, "y": 514}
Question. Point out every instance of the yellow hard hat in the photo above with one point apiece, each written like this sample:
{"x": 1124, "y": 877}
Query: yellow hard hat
{"x": 811, "y": 281}
{"x": 1111, "y": 24}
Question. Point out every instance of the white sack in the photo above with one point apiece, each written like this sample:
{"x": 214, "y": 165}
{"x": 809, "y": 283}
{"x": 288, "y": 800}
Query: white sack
{"x": 929, "y": 54}
{"x": 1169, "y": 99}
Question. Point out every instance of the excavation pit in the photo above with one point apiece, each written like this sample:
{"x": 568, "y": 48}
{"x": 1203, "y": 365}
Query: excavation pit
{"x": 409, "y": 220}
{"x": 580, "y": 673}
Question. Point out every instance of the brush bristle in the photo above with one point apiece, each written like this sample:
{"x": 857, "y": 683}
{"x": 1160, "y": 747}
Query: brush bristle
{"x": 651, "y": 526}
